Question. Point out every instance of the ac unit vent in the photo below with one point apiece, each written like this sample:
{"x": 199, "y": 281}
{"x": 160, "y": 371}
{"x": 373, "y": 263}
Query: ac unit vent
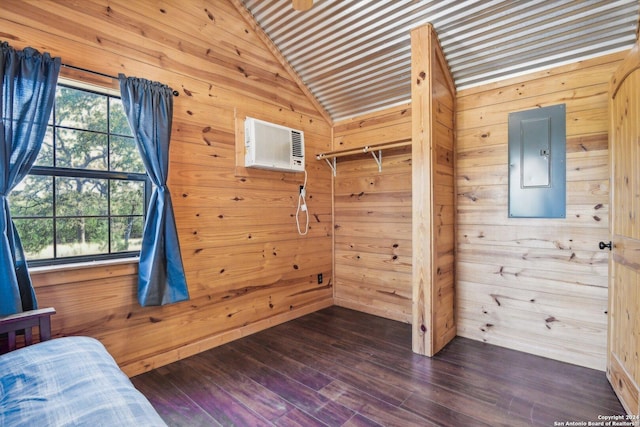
{"x": 297, "y": 148}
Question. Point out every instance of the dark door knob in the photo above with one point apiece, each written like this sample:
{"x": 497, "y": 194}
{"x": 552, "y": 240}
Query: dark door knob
{"x": 605, "y": 245}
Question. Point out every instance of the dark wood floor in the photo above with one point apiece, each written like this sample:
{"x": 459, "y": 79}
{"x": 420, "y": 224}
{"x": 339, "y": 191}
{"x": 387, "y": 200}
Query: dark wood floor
{"x": 338, "y": 367}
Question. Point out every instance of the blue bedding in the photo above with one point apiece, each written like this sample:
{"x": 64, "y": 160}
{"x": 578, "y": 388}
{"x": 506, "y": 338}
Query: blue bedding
{"x": 70, "y": 381}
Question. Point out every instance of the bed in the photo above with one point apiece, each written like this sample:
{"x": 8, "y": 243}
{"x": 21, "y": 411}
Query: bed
{"x": 71, "y": 381}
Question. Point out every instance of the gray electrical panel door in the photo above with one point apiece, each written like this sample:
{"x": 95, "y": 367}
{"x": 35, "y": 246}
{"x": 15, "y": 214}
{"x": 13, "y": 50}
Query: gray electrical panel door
{"x": 537, "y": 163}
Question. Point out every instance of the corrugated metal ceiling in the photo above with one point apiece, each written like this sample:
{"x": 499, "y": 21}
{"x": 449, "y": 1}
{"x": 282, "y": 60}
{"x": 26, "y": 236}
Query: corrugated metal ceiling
{"x": 355, "y": 55}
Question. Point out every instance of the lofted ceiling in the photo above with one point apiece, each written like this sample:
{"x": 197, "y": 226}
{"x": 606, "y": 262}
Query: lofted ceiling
{"x": 354, "y": 56}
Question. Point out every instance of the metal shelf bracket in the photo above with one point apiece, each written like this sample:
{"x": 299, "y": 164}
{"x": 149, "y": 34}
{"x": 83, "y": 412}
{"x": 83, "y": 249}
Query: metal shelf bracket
{"x": 332, "y": 165}
{"x": 378, "y": 159}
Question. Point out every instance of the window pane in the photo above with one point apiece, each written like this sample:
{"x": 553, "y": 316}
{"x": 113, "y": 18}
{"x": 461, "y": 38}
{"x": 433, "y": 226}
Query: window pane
{"x": 36, "y": 236}
{"x": 81, "y": 150}
{"x": 81, "y": 196}
{"x": 126, "y": 233}
{"x": 45, "y": 156}
{"x": 127, "y": 197}
{"x": 125, "y": 156}
{"x": 81, "y": 236}
{"x": 32, "y": 197}
{"x": 81, "y": 109}
{"x": 94, "y": 212}
{"x": 118, "y": 120}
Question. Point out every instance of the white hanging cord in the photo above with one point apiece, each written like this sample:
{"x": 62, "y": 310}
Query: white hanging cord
{"x": 302, "y": 206}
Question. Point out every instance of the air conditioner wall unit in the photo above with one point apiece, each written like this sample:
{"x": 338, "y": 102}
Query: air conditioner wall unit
{"x": 274, "y": 147}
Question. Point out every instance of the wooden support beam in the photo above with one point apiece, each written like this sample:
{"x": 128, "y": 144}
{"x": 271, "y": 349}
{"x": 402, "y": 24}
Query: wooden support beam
{"x": 421, "y": 189}
{"x": 433, "y": 111}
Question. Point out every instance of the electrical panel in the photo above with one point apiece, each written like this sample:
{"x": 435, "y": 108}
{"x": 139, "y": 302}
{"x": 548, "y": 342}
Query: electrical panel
{"x": 537, "y": 163}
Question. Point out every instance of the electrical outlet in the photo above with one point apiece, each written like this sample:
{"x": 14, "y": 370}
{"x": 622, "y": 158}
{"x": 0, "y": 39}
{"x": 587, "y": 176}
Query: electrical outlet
{"x": 319, "y": 278}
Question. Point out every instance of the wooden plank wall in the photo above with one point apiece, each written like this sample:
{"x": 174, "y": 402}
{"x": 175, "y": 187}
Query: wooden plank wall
{"x": 247, "y": 268}
{"x": 536, "y": 285}
{"x": 373, "y": 217}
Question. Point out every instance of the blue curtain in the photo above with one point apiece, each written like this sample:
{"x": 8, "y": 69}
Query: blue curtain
{"x": 149, "y": 110}
{"x": 28, "y": 90}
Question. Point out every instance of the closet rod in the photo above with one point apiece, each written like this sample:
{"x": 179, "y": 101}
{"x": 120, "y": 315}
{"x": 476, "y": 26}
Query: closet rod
{"x": 97, "y": 73}
{"x": 365, "y": 149}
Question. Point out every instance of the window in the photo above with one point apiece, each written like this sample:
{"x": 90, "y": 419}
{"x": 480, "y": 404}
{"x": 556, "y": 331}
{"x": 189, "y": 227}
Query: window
{"x": 86, "y": 196}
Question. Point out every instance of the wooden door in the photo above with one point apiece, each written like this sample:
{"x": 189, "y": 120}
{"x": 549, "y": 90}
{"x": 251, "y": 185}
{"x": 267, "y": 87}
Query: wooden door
{"x": 433, "y": 97}
{"x": 623, "y": 367}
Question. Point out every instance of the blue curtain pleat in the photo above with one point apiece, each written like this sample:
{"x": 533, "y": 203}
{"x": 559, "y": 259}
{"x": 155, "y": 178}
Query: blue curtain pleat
{"x": 28, "y": 90}
{"x": 149, "y": 110}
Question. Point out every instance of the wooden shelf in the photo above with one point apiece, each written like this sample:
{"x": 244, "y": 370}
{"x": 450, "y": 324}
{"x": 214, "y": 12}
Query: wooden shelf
{"x": 359, "y": 150}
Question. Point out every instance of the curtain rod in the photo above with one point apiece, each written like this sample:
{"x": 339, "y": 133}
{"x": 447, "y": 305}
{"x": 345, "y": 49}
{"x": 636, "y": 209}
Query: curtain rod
{"x": 73, "y": 67}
